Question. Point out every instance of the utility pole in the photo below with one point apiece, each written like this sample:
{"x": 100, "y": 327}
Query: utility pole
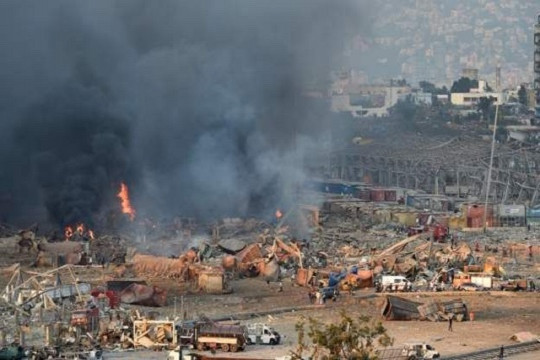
{"x": 491, "y": 157}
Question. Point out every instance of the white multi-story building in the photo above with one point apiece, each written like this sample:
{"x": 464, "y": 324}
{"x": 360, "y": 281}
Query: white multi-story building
{"x": 473, "y": 97}
{"x": 368, "y": 100}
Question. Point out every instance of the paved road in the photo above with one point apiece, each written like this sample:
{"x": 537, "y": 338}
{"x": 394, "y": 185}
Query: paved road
{"x": 157, "y": 355}
{"x": 125, "y": 355}
{"x": 535, "y": 355}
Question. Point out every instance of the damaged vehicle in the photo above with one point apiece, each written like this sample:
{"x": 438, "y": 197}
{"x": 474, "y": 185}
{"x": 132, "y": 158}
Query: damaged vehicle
{"x": 419, "y": 350}
{"x": 470, "y": 287}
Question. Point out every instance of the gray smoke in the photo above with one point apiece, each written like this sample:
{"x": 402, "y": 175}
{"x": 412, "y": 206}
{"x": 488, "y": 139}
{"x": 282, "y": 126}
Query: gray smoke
{"x": 196, "y": 105}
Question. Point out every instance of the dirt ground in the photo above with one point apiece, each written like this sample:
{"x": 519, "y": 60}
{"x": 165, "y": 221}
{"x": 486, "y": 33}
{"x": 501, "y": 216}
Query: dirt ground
{"x": 498, "y": 315}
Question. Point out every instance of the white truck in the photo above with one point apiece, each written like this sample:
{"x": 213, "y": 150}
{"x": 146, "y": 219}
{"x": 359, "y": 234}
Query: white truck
{"x": 389, "y": 283}
{"x": 262, "y": 334}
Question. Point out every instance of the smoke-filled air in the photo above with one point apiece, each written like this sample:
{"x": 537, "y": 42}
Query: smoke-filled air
{"x": 198, "y": 107}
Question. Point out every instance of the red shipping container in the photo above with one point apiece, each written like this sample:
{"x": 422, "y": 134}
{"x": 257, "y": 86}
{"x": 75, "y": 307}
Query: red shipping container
{"x": 390, "y": 195}
{"x": 364, "y": 195}
{"x": 377, "y": 195}
{"x": 475, "y": 216}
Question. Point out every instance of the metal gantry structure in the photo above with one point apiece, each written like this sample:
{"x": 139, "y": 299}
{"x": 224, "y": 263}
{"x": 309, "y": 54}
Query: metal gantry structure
{"x": 433, "y": 164}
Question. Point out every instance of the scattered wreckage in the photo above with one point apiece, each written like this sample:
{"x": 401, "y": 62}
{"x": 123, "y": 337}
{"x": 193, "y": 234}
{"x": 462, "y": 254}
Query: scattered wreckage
{"x": 327, "y": 261}
{"x": 399, "y": 308}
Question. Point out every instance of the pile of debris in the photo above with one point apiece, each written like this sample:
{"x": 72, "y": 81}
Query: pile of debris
{"x": 398, "y": 308}
{"x": 109, "y": 249}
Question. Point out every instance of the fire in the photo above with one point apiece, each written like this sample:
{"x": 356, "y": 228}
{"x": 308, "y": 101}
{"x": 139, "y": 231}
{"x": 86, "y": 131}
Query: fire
{"x": 80, "y": 231}
{"x": 123, "y": 195}
{"x": 68, "y": 232}
{"x": 279, "y": 214}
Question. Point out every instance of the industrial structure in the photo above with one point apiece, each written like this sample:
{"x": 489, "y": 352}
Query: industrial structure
{"x": 436, "y": 164}
{"x": 537, "y": 66}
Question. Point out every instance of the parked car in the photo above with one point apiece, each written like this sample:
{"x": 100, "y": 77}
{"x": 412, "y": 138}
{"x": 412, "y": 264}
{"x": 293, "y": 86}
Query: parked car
{"x": 470, "y": 287}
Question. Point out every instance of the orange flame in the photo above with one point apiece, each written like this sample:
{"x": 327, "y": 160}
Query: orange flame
{"x": 80, "y": 230}
{"x": 279, "y": 214}
{"x": 68, "y": 232}
{"x": 123, "y": 195}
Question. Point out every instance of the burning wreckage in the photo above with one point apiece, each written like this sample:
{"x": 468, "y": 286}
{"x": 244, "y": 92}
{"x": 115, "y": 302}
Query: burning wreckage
{"x": 88, "y": 297}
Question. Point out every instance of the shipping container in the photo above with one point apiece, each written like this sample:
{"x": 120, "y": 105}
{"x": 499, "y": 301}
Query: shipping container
{"x": 330, "y": 186}
{"x": 475, "y": 216}
{"x": 511, "y": 215}
{"x": 418, "y": 202}
{"x": 511, "y": 210}
{"x": 377, "y": 195}
{"x": 363, "y": 194}
{"x": 405, "y": 218}
{"x": 533, "y": 212}
{"x": 430, "y": 202}
{"x": 390, "y": 195}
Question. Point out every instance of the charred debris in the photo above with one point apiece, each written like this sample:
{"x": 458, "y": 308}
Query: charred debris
{"x": 93, "y": 290}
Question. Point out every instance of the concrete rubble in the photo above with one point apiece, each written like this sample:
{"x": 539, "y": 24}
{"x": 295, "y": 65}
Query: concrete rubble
{"x": 342, "y": 246}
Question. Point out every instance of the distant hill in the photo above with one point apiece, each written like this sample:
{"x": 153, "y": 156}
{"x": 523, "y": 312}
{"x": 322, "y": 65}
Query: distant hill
{"x": 435, "y": 39}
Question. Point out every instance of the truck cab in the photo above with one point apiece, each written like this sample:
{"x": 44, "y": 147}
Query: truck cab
{"x": 186, "y": 333}
{"x": 262, "y": 334}
{"x": 419, "y": 351}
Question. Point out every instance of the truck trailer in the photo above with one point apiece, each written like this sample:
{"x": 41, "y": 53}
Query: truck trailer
{"x": 209, "y": 335}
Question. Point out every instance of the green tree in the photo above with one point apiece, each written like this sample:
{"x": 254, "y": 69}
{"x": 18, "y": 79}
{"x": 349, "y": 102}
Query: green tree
{"x": 398, "y": 82}
{"x": 346, "y": 339}
{"x": 405, "y": 109}
{"x": 428, "y": 87}
{"x": 522, "y": 96}
{"x": 484, "y": 105}
{"x": 463, "y": 85}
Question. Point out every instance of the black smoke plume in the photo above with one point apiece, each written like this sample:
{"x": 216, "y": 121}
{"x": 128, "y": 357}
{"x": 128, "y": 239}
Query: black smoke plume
{"x": 197, "y": 105}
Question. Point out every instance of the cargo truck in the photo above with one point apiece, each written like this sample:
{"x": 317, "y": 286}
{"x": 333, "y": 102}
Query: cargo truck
{"x": 209, "y": 335}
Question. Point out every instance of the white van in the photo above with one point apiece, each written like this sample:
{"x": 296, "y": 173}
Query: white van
{"x": 262, "y": 334}
{"x": 391, "y": 283}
